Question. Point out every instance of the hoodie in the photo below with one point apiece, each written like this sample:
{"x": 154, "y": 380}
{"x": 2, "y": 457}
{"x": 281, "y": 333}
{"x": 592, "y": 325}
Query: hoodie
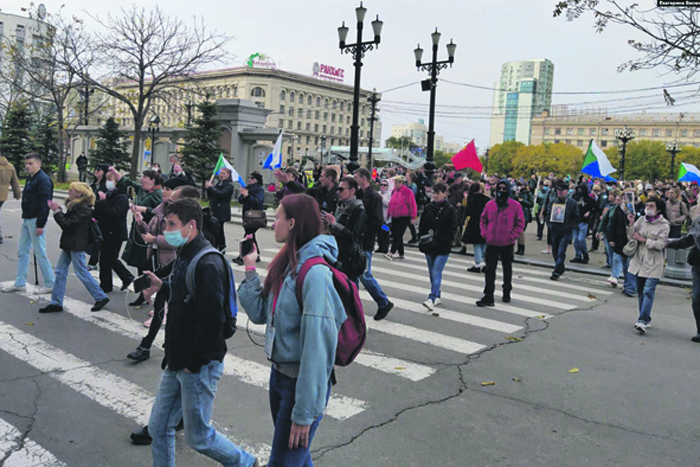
{"x": 305, "y": 340}
{"x": 402, "y": 203}
{"x": 502, "y": 224}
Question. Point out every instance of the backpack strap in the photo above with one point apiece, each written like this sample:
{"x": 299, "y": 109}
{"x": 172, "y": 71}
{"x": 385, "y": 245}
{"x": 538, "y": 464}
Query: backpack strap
{"x": 190, "y": 273}
{"x": 302, "y": 275}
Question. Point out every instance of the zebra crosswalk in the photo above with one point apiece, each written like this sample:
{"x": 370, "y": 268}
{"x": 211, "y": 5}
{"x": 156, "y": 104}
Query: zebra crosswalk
{"x": 454, "y": 330}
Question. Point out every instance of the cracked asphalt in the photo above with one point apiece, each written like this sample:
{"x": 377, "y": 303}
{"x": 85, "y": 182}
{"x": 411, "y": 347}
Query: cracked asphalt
{"x": 633, "y": 401}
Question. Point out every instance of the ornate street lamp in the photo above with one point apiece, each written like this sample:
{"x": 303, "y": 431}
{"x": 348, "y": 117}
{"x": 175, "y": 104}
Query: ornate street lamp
{"x": 358, "y": 50}
{"x": 625, "y": 135}
{"x": 153, "y": 127}
{"x": 373, "y": 100}
{"x": 433, "y": 68}
{"x": 674, "y": 149}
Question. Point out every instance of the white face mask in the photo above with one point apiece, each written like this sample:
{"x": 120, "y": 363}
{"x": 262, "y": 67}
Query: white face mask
{"x": 109, "y": 184}
{"x": 650, "y": 212}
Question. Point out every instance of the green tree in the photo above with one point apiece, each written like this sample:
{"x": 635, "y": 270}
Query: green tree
{"x": 14, "y": 141}
{"x": 111, "y": 147}
{"x": 440, "y": 158}
{"x": 399, "y": 143}
{"x": 44, "y": 141}
{"x": 501, "y": 157}
{"x": 202, "y": 149}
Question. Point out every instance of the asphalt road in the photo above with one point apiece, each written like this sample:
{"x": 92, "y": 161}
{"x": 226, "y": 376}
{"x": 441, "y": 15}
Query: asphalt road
{"x": 464, "y": 386}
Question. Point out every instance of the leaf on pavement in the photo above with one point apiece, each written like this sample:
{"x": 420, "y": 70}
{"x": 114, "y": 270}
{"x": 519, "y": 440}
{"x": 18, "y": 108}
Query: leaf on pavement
{"x": 436, "y": 314}
{"x": 592, "y": 296}
{"x": 539, "y": 316}
{"x": 29, "y": 323}
{"x": 517, "y": 380}
{"x": 514, "y": 339}
{"x": 399, "y": 368}
{"x": 488, "y": 383}
{"x": 574, "y": 370}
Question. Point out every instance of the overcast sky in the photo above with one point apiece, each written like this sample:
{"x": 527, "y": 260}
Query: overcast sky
{"x": 487, "y": 33}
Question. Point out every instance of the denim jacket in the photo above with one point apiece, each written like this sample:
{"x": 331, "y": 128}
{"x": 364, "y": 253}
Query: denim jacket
{"x": 309, "y": 338}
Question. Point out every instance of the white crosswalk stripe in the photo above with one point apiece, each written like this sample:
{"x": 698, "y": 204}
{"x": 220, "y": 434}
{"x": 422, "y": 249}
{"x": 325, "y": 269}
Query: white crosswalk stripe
{"x": 23, "y": 452}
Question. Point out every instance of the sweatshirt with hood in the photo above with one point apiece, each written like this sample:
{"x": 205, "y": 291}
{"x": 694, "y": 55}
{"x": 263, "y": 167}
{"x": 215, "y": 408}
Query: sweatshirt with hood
{"x": 502, "y": 221}
{"x": 305, "y": 339}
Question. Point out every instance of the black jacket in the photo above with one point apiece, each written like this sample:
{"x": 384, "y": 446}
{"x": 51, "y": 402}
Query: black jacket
{"x": 37, "y": 191}
{"x": 441, "y": 218}
{"x": 475, "y": 206}
{"x": 210, "y": 227}
{"x": 327, "y": 199}
{"x": 586, "y": 204}
{"x": 255, "y": 199}
{"x": 194, "y": 330}
{"x": 372, "y": 202}
{"x": 615, "y": 229}
{"x": 111, "y": 215}
{"x": 220, "y": 199}
{"x": 350, "y": 221}
{"x": 75, "y": 224}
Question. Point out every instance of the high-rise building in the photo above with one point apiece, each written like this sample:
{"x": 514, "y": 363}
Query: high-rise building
{"x": 524, "y": 90}
{"x": 416, "y": 131}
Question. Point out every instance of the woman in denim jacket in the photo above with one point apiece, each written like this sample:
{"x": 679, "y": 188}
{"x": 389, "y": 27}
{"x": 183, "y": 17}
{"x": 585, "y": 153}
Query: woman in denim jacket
{"x": 300, "y": 342}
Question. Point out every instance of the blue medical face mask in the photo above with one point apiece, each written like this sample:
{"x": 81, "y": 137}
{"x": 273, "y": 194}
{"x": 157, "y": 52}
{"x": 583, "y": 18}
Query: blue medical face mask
{"x": 545, "y": 189}
{"x": 175, "y": 239}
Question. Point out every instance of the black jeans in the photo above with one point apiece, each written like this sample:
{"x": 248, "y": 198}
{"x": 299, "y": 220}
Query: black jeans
{"x": 493, "y": 254}
{"x": 109, "y": 261}
{"x": 540, "y": 228}
{"x": 383, "y": 238}
{"x": 398, "y": 229}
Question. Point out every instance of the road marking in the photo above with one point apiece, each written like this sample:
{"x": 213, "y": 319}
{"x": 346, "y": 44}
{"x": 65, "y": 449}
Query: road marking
{"x": 339, "y": 407}
{"x": 30, "y": 454}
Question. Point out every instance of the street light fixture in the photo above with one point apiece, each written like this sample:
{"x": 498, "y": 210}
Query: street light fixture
{"x": 358, "y": 50}
{"x": 625, "y": 135}
{"x": 373, "y": 100}
{"x": 674, "y": 149}
{"x": 433, "y": 68}
{"x": 153, "y": 127}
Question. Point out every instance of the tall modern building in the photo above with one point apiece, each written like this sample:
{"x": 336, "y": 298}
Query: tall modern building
{"x": 524, "y": 91}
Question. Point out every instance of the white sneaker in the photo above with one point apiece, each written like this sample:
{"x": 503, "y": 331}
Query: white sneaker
{"x": 641, "y": 328}
{"x": 429, "y": 304}
{"x": 44, "y": 290}
{"x": 437, "y": 302}
{"x": 14, "y": 288}
{"x": 389, "y": 256}
{"x": 612, "y": 281}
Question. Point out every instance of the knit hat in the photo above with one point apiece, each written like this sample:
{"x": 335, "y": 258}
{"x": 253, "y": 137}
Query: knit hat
{"x": 174, "y": 182}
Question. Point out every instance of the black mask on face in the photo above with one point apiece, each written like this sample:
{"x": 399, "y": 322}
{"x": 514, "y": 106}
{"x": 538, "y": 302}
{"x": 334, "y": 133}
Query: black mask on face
{"x": 501, "y": 197}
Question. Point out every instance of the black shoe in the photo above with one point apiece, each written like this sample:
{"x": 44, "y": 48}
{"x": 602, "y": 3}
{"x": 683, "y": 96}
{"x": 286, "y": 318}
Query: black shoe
{"x": 238, "y": 260}
{"x": 463, "y": 251}
{"x": 139, "y": 301}
{"x": 100, "y": 304}
{"x": 593, "y": 249}
{"x": 381, "y": 252}
{"x": 412, "y": 243}
{"x": 474, "y": 269}
{"x": 141, "y": 437}
{"x": 539, "y": 239}
{"x": 485, "y": 301}
{"x": 50, "y": 308}
{"x": 258, "y": 259}
{"x": 585, "y": 259}
{"x": 695, "y": 338}
{"x": 576, "y": 260}
{"x": 125, "y": 285}
{"x": 506, "y": 297}
{"x": 554, "y": 276}
{"x": 607, "y": 266}
{"x": 139, "y": 355}
{"x": 382, "y": 312}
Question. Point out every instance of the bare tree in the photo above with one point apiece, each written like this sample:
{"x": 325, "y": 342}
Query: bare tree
{"x": 147, "y": 50}
{"x": 671, "y": 35}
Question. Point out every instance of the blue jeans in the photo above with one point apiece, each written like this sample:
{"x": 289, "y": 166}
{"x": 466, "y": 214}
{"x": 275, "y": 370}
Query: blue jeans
{"x": 28, "y": 241}
{"x": 81, "y": 271}
{"x": 560, "y": 241}
{"x": 479, "y": 252}
{"x": 580, "y": 247}
{"x": 372, "y": 285}
{"x": 609, "y": 254}
{"x": 647, "y": 289}
{"x": 282, "y": 399}
{"x": 190, "y": 396}
{"x": 622, "y": 262}
{"x": 436, "y": 264}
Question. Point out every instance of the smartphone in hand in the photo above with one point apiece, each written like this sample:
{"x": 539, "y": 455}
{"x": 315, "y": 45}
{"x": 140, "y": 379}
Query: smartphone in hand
{"x": 246, "y": 247}
{"x": 141, "y": 283}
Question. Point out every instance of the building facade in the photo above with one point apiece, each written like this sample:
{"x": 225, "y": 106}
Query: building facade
{"x": 523, "y": 91}
{"x": 305, "y": 107}
{"x": 416, "y": 131}
{"x": 578, "y": 130}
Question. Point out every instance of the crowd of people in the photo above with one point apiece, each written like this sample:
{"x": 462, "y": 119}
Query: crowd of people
{"x": 343, "y": 219}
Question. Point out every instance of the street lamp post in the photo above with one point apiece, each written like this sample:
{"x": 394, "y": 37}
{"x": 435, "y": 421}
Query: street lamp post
{"x": 674, "y": 149}
{"x": 625, "y": 135}
{"x": 433, "y": 68}
{"x": 358, "y": 50}
{"x": 153, "y": 127}
{"x": 323, "y": 147}
{"x": 189, "y": 106}
{"x": 373, "y": 99}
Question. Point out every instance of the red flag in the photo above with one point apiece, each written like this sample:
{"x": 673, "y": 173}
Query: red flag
{"x": 467, "y": 158}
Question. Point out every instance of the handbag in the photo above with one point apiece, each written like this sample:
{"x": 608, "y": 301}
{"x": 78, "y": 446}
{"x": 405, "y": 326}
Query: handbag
{"x": 254, "y": 219}
{"x": 631, "y": 248}
{"x": 94, "y": 234}
{"x": 426, "y": 242}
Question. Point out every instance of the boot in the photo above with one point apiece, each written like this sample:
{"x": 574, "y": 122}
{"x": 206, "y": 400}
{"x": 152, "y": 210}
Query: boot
{"x": 521, "y": 250}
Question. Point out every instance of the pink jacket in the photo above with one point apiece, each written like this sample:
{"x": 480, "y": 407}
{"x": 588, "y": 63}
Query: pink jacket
{"x": 502, "y": 227}
{"x": 402, "y": 203}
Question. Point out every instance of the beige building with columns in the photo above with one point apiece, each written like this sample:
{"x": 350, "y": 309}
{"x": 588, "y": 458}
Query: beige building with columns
{"x": 578, "y": 130}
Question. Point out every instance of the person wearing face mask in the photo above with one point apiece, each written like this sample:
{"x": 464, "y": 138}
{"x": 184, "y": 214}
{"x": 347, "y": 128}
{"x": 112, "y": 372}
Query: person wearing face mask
{"x": 439, "y": 219}
{"x": 195, "y": 346}
{"x": 220, "y": 195}
{"x": 539, "y": 206}
{"x": 476, "y": 202}
{"x": 502, "y": 222}
{"x": 562, "y": 216}
{"x": 647, "y": 264}
{"x": 347, "y": 226}
{"x": 97, "y": 185}
{"x": 111, "y": 209}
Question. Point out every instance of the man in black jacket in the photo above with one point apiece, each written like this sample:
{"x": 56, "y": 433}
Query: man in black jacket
{"x": 326, "y": 195}
{"x": 587, "y": 208}
{"x": 35, "y": 211}
{"x": 375, "y": 220}
{"x": 561, "y": 216}
{"x": 194, "y": 345}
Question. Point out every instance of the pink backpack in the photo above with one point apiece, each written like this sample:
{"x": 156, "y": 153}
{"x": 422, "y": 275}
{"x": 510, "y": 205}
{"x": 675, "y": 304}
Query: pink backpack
{"x": 353, "y": 332}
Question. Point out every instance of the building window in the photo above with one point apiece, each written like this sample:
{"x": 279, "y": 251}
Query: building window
{"x": 604, "y": 131}
{"x": 656, "y": 133}
{"x": 568, "y": 141}
{"x": 557, "y": 131}
{"x": 696, "y": 133}
{"x": 282, "y": 109}
{"x": 325, "y": 116}
{"x": 228, "y": 92}
{"x": 235, "y": 91}
{"x": 592, "y": 132}
{"x": 342, "y": 106}
{"x": 579, "y": 142}
{"x": 684, "y": 134}
{"x": 332, "y": 130}
{"x": 291, "y": 96}
{"x": 335, "y": 105}
{"x": 669, "y": 133}
{"x": 316, "y": 128}
{"x": 325, "y": 103}
{"x": 349, "y": 107}
{"x": 362, "y": 122}
{"x": 300, "y": 113}
{"x": 318, "y": 102}
{"x": 347, "y": 120}
{"x": 301, "y": 98}
{"x": 603, "y": 143}
{"x": 280, "y": 124}
{"x": 332, "y": 117}
{"x": 289, "y": 124}
{"x": 283, "y": 95}
{"x": 308, "y": 127}
{"x": 324, "y": 129}
{"x": 299, "y": 126}
{"x": 257, "y": 92}
{"x": 362, "y": 133}
{"x": 308, "y": 139}
{"x": 308, "y": 114}
{"x": 547, "y": 131}
{"x": 260, "y": 104}
{"x": 642, "y": 132}
{"x": 581, "y": 131}
{"x": 317, "y": 115}
{"x": 309, "y": 100}
{"x": 347, "y": 132}
{"x": 569, "y": 131}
